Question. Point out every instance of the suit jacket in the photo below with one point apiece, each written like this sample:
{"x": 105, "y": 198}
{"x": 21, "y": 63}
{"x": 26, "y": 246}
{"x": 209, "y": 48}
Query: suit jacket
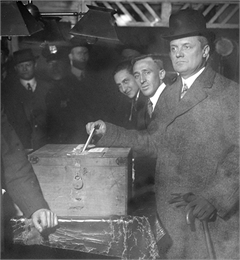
{"x": 27, "y": 113}
{"x": 197, "y": 150}
{"x": 17, "y": 173}
{"x": 138, "y": 110}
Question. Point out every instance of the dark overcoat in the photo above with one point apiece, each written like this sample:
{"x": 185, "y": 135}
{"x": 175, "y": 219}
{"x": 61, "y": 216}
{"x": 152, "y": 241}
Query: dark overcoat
{"x": 197, "y": 150}
{"x": 17, "y": 173}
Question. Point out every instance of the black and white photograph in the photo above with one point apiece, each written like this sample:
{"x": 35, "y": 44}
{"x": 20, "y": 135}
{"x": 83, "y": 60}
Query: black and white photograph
{"x": 120, "y": 129}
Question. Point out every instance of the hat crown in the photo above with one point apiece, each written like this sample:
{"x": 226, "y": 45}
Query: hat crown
{"x": 23, "y": 55}
{"x": 78, "y": 42}
{"x": 187, "y": 22}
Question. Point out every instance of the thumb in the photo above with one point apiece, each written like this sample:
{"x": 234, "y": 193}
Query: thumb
{"x": 37, "y": 225}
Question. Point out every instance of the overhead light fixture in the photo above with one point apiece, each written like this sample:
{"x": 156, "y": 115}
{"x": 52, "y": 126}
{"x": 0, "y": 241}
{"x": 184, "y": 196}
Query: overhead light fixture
{"x": 97, "y": 24}
{"x": 52, "y": 32}
{"x": 17, "y": 21}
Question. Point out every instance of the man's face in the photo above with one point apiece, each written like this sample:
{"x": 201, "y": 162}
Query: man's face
{"x": 147, "y": 75}
{"x": 187, "y": 55}
{"x": 126, "y": 83}
{"x": 79, "y": 57}
{"x": 25, "y": 70}
{"x": 56, "y": 69}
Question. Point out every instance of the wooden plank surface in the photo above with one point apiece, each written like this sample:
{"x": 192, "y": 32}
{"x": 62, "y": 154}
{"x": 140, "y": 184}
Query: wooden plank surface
{"x": 88, "y": 184}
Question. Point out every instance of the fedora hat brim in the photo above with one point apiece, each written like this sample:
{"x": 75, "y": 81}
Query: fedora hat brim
{"x": 24, "y": 55}
{"x": 208, "y": 34}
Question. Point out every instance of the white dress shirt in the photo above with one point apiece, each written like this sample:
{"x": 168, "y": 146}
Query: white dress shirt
{"x": 155, "y": 97}
{"x": 189, "y": 81}
{"x": 32, "y": 82}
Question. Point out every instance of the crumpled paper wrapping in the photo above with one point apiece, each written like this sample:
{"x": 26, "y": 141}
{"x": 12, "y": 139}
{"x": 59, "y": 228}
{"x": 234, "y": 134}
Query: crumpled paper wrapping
{"x": 126, "y": 237}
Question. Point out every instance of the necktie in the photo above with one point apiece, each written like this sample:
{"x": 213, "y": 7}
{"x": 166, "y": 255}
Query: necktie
{"x": 150, "y": 108}
{"x": 131, "y": 112}
{"x": 184, "y": 90}
{"x": 29, "y": 87}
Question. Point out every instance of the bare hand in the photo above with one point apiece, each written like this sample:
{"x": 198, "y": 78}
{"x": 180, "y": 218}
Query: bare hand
{"x": 44, "y": 218}
{"x": 100, "y": 131}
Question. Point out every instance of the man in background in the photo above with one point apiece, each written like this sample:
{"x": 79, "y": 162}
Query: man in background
{"x": 128, "y": 111}
{"x": 24, "y": 101}
{"x": 63, "y": 103}
{"x": 86, "y": 86}
{"x": 78, "y": 57}
{"x": 149, "y": 74}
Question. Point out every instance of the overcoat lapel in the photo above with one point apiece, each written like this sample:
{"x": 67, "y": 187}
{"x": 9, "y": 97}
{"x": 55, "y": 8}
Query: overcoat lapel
{"x": 196, "y": 94}
{"x": 171, "y": 99}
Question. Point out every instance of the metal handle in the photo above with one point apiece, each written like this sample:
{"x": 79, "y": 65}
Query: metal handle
{"x": 78, "y": 184}
{"x": 208, "y": 240}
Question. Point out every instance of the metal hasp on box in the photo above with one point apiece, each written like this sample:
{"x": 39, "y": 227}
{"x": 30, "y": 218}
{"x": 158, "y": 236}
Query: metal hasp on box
{"x": 97, "y": 182}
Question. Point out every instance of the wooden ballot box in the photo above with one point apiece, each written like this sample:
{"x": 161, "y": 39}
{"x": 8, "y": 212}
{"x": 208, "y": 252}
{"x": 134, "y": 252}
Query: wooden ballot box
{"x": 96, "y": 182}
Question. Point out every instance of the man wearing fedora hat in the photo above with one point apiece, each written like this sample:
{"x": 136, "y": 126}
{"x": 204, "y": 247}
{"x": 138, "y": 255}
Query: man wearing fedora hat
{"x": 78, "y": 57}
{"x": 196, "y": 146}
{"x": 84, "y": 95}
{"x": 24, "y": 102}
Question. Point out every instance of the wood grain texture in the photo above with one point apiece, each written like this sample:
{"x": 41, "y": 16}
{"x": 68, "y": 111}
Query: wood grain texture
{"x": 87, "y": 184}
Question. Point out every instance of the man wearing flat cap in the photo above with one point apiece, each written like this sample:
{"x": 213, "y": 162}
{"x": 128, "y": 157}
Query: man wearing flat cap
{"x": 24, "y": 103}
{"x": 197, "y": 148}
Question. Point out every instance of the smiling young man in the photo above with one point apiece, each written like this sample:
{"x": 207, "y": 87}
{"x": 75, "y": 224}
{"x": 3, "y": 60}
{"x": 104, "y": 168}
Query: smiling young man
{"x": 125, "y": 80}
{"x": 129, "y": 106}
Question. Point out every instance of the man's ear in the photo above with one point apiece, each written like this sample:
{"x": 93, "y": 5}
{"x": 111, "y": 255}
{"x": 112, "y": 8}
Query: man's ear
{"x": 162, "y": 74}
{"x": 206, "y": 50}
{"x": 70, "y": 56}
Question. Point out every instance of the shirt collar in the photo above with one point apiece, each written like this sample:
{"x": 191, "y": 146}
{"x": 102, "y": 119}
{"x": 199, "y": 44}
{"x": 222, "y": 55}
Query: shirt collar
{"x": 32, "y": 82}
{"x": 157, "y": 94}
{"x": 189, "y": 81}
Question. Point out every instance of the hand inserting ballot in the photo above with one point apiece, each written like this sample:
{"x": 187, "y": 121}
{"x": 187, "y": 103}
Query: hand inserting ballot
{"x": 100, "y": 128}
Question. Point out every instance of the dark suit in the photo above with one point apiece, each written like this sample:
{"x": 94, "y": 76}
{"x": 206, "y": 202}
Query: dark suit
{"x": 68, "y": 112}
{"x": 136, "y": 113}
{"x": 17, "y": 173}
{"x": 197, "y": 150}
{"x": 145, "y": 166}
{"x": 126, "y": 112}
{"x": 27, "y": 113}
